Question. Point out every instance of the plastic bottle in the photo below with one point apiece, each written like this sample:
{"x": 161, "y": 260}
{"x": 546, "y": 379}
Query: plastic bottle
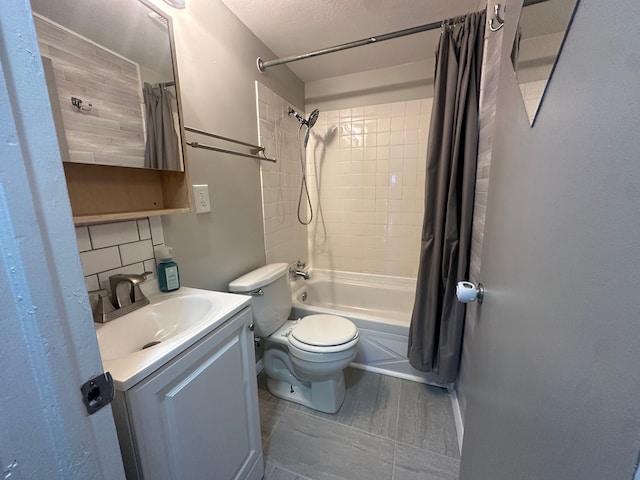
{"x": 168, "y": 275}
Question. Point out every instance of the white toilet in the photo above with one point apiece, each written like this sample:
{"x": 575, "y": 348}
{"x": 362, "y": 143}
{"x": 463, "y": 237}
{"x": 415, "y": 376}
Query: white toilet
{"x": 304, "y": 359}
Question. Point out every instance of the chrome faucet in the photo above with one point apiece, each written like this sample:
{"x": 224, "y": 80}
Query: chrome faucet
{"x": 125, "y": 297}
{"x": 299, "y": 270}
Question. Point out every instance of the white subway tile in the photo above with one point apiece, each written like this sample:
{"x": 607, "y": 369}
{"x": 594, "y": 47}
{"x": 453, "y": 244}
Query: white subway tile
{"x": 150, "y": 266}
{"x": 110, "y": 234}
{"x": 143, "y": 229}
{"x": 82, "y": 236}
{"x": 95, "y": 261}
{"x": 136, "y": 252}
{"x": 157, "y": 235}
{"x": 91, "y": 283}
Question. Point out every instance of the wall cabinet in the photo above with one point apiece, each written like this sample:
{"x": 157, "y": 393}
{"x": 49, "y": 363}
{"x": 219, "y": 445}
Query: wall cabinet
{"x": 196, "y": 417}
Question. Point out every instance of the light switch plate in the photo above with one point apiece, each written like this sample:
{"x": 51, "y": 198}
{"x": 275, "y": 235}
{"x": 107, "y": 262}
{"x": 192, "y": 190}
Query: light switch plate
{"x": 201, "y": 198}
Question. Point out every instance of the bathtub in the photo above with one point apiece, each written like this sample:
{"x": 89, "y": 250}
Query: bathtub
{"x": 379, "y": 305}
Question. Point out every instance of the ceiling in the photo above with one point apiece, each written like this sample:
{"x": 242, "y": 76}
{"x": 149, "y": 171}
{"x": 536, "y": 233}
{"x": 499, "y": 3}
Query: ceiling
{"x": 293, "y": 27}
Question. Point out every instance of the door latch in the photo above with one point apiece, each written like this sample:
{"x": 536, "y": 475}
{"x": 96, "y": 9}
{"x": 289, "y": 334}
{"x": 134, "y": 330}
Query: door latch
{"x": 98, "y": 392}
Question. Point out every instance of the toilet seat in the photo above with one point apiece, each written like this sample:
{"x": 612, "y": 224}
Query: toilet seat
{"x": 323, "y": 334}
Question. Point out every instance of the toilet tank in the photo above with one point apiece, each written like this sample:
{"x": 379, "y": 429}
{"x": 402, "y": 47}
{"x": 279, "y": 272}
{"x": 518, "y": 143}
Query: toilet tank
{"x": 270, "y": 296}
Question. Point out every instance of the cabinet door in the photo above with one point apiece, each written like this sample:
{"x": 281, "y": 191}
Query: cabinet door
{"x": 197, "y": 418}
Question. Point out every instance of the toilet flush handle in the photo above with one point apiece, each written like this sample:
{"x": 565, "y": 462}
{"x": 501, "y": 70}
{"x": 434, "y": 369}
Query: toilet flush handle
{"x": 257, "y": 293}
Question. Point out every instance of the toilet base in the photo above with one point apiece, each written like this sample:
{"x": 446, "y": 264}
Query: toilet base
{"x": 325, "y": 396}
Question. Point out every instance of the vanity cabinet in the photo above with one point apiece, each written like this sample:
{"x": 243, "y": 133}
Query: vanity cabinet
{"x": 197, "y": 416}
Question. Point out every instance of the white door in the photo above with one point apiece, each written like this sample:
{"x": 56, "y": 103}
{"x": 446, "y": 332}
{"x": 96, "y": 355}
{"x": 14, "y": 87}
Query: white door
{"x": 48, "y": 347}
{"x": 555, "y": 377}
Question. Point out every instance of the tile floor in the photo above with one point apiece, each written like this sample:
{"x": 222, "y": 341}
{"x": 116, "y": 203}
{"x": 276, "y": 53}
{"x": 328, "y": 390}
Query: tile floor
{"x": 386, "y": 429}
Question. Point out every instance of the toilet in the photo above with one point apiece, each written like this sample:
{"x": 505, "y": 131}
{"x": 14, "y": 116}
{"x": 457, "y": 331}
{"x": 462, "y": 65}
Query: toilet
{"x": 305, "y": 358}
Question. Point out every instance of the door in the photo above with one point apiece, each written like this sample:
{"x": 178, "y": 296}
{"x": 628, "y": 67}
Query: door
{"x": 554, "y": 389}
{"x": 48, "y": 346}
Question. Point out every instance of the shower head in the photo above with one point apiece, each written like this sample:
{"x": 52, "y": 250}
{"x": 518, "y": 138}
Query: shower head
{"x": 313, "y": 118}
{"x": 310, "y": 122}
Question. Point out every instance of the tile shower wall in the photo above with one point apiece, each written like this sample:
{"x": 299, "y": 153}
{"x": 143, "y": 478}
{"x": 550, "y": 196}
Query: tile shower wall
{"x": 120, "y": 247}
{"x": 367, "y": 169}
{"x": 285, "y": 237}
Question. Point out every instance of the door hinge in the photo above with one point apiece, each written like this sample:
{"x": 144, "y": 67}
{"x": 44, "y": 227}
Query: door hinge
{"x": 98, "y": 392}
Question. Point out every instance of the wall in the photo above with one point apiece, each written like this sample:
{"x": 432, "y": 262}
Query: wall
{"x": 285, "y": 238}
{"x": 410, "y": 81}
{"x": 112, "y": 132}
{"x": 367, "y": 167}
{"x": 119, "y": 247}
{"x": 216, "y": 56}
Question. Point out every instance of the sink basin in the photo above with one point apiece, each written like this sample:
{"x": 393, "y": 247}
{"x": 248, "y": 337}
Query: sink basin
{"x": 140, "y": 342}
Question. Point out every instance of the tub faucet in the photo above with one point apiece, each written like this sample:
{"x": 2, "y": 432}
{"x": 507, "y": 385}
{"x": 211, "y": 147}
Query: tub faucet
{"x": 299, "y": 270}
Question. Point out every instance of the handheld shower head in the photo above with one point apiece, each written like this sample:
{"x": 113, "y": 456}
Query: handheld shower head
{"x": 310, "y": 122}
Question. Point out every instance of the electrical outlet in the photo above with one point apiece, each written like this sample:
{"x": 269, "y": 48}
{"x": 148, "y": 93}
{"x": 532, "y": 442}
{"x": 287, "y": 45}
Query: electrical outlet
{"x": 201, "y": 198}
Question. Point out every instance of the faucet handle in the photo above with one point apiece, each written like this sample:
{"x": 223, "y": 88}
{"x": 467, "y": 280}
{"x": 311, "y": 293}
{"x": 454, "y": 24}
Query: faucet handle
{"x": 102, "y": 306}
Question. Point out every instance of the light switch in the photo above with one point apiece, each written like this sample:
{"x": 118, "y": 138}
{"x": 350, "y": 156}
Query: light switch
{"x": 201, "y": 198}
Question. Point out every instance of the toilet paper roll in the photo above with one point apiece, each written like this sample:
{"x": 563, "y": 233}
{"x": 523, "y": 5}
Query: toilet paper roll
{"x": 466, "y": 292}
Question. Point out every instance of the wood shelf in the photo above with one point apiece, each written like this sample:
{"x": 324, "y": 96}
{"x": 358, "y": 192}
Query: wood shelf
{"x": 101, "y": 193}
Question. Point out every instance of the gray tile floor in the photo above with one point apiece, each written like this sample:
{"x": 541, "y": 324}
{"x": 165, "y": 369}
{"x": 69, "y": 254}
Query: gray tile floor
{"x": 386, "y": 429}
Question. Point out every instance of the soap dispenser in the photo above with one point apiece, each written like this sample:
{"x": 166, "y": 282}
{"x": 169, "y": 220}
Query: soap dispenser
{"x": 168, "y": 275}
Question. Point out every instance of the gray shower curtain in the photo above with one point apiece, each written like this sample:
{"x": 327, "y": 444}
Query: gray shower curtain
{"x": 437, "y": 322}
{"x": 161, "y": 150}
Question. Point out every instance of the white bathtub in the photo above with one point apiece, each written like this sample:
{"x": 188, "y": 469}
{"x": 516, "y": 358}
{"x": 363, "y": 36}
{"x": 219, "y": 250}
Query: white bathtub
{"x": 379, "y": 305}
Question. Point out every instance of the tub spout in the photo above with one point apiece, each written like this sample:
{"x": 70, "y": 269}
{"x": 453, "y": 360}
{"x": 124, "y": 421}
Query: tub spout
{"x": 300, "y": 273}
{"x": 299, "y": 270}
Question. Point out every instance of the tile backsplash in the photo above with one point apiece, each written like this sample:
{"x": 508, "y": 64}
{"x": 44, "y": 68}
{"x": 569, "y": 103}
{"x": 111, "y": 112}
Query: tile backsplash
{"x": 119, "y": 247}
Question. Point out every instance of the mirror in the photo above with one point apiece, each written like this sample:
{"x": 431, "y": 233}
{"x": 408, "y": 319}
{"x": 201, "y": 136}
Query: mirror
{"x": 112, "y": 82}
{"x": 543, "y": 26}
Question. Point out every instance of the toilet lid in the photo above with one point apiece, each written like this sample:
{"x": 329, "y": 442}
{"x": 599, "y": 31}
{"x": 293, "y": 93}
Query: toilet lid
{"x": 324, "y": 330}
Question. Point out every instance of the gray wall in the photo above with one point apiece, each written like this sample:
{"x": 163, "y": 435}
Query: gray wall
{"x": 410, "y": 81}
{"x": 554, "y": 389}
{"x": 216, "y": 57}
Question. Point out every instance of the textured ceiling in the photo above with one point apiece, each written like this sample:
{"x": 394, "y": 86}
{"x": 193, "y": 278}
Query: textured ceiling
{"x": 293, "y": 27}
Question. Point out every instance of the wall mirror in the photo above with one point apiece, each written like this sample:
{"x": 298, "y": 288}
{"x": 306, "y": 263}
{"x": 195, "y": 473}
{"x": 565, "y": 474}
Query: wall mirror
{"x": 543, "y": 26}
{"x": 112, "y": 82}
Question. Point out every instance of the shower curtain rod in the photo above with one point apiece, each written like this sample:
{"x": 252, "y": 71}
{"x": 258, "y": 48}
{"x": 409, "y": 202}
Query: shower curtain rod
{"x": 262, "y": 65}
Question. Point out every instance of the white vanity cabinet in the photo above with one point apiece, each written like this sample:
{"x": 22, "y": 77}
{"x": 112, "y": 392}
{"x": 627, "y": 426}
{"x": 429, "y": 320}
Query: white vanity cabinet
{"x": 197, "y": 416}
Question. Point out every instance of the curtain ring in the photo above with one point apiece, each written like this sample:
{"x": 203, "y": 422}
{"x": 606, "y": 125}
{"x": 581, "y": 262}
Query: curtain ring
{"x": 496, "y": 9}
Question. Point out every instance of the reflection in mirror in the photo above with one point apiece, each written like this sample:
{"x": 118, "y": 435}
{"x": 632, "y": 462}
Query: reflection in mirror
{"x": 111, "y": 82}
{"x": 542, "y": 29}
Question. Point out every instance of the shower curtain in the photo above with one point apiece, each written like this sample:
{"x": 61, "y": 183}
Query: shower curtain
{"x": 437, "y": 322}
{"x": 161, "y": 150}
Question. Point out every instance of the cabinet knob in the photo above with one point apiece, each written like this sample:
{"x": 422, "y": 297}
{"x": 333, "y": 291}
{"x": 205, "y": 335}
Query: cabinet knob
{"x": 251, "y": 327}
